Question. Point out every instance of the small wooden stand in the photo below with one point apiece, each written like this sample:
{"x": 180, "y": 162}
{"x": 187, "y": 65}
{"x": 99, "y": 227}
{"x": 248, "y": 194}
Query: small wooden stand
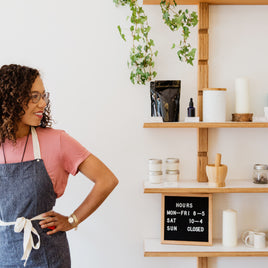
{"x": 242, "y": 117}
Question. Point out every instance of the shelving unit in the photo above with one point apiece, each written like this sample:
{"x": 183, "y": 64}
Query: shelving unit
{"x": 192, "y": 186}
{"x": 207, "y": 125}
{"x": 211, "y": 2}
{"x": 153, "y": 247}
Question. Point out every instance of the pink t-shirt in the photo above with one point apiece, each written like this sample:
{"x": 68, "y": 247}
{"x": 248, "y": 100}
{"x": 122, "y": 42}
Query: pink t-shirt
{"x": 61, "y": 154}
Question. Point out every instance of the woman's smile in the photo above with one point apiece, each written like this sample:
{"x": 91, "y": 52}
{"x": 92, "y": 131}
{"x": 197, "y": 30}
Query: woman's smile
{"x": 39, "y": 114}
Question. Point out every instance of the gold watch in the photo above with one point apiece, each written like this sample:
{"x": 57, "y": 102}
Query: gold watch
{"x": 73, "y": 221}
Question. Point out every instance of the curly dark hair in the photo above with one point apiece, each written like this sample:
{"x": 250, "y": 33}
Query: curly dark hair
{"x": 15, "y": 86}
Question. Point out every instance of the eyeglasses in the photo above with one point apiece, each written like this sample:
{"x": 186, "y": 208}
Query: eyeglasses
{"x": 36, "y": 96}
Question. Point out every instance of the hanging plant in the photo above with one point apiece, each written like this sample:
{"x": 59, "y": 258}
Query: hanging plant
{"x": 176, "y": 20}
{"x": 141, "y": 60}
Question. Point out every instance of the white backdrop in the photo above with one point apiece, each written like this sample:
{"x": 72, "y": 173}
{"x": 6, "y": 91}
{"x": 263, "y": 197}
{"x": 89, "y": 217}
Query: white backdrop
{"x": 82, "y": 59}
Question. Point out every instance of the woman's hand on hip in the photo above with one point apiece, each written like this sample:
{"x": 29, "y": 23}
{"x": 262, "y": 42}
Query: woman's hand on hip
{"x": 56, "y": 222}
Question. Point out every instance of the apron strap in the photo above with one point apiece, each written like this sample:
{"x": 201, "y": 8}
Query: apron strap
{"x": 36, "y": 147}
{"x": 24, "y": 146}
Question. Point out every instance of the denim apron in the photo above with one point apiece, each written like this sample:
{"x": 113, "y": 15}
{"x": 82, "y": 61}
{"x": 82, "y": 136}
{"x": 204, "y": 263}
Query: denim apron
{"x": 26, "y": 191}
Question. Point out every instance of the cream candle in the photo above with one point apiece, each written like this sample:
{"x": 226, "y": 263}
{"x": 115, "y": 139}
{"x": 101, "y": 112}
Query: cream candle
{"x": 229, "y": 228}
{"x": 241, "y": 96}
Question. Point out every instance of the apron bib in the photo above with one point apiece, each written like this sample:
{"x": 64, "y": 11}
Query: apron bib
{"x": 26, "y": 191}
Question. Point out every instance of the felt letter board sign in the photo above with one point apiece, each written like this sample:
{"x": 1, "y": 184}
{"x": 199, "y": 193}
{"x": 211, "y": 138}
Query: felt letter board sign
{"x": 186, "y": 219}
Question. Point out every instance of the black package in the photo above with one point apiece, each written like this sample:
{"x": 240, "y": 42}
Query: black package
{"x": 165, "y": 99}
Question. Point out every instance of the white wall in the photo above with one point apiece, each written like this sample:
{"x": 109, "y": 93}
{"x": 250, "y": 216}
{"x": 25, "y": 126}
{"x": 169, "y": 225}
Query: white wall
{"x": 83, "y": 61}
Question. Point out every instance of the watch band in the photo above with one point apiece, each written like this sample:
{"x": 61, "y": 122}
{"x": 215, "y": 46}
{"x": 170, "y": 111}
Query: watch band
{"x": 73, "y": 221}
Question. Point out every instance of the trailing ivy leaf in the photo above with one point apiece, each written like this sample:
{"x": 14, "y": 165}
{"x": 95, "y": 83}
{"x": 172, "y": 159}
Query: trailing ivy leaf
{"x": 190, "y": 61}
{"x": 132, "y": 76}
{"x": 120, "y": 32}
{"x": 139, "y": 47}
{"x": 166, "y": 16}
{"x": 137, "y": 37}
{"x": 146, "y": 48}
{"x": 192, "y": 52}
{"x": 186, "y": 32}
{"x": 173, "y": 45}
{"x": 151, "y": 42}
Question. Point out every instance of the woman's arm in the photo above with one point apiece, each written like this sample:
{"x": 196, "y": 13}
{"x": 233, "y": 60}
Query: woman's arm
{"x": 105, "y": 181}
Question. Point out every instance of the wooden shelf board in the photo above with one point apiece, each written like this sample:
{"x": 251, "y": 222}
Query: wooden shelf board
{"x": 154, "y": 248}
{"x": 212, "y": 2}
{"x": 207, "y": 125}
{"x": 192, "y": 186}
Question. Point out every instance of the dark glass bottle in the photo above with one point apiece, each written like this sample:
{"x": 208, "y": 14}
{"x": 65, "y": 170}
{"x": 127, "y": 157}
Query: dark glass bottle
{"x": 191, "y": 109}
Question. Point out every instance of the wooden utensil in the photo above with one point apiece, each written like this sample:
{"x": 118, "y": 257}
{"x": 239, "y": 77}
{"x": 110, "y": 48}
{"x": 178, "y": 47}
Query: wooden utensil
{"x": 216, "y": 173}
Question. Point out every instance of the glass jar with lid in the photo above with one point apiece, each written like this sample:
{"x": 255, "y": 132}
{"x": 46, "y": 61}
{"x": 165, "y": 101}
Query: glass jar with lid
{"x": 172, "y": 164}
{"x": 155, "y": 164}
{"x": 155, "y": 176}
{"x": 260, "y": 173}
{"x": 172, "y": 175}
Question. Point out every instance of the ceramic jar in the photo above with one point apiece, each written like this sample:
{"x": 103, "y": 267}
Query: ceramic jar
{"x": 214, "y": 104}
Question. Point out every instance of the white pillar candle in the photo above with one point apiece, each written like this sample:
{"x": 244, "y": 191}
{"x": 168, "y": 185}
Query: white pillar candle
{"x": 229, "y": 228}
{"x": 241, "y": 96}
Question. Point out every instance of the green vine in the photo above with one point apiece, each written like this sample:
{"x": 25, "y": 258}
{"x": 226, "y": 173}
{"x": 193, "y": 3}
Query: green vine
{"x": 183, "y": 20}
{"x": 141, "y": 61}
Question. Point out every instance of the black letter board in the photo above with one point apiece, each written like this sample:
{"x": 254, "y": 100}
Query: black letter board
{"x": 186, "y": 219}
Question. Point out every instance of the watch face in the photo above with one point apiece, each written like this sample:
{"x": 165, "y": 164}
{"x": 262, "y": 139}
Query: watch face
{"x": 71, "y": 220}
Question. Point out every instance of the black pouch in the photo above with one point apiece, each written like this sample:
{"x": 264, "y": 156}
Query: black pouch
{"x": 165, "y": 99}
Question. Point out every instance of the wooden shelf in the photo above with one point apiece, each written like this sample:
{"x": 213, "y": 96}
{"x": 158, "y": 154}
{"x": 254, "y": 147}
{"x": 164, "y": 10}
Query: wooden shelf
{"x": 207, "y": 125}
{"x": 192, "y": 186}
{"x": 154, "y": 248}
{"x": 212, "y": 2}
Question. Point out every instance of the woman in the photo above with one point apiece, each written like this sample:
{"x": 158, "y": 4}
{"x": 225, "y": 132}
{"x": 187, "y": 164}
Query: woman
{"x": 35, "y": 161}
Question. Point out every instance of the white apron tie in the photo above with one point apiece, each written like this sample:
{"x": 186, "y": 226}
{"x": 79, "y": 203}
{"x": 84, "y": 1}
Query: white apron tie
{"x": 26, "y": 225}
